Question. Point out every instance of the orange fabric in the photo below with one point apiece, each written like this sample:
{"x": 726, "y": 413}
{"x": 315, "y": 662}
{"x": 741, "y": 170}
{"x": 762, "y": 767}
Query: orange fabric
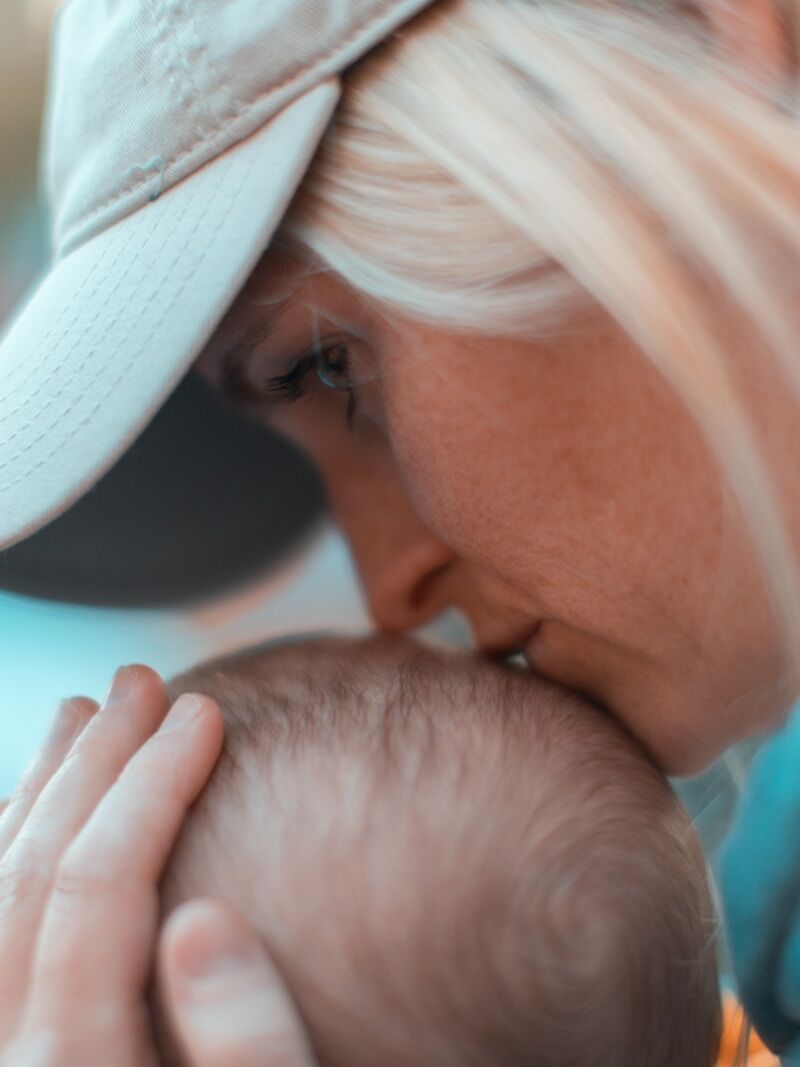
{"x": 758, "y": 1055}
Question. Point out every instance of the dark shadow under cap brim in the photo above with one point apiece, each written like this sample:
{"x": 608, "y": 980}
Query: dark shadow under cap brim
{"x": 201, "y": 502}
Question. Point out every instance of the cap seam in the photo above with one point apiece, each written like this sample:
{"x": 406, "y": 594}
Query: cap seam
{"x": 182, "y": 69}
{"x": 241, "y": 107}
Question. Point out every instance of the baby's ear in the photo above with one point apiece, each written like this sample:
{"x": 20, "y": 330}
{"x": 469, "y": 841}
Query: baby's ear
{"x": 756, "y": 32}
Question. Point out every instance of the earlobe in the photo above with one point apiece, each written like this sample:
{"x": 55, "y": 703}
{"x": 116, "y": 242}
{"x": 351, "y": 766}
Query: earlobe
{"x": 759, "y": 33}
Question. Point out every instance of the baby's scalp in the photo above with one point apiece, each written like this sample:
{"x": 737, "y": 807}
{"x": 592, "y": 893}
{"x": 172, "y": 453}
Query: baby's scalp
{"x": 452, "y": 861}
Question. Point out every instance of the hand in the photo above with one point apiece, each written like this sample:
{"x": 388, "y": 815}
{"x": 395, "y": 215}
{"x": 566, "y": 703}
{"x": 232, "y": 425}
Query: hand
{"x": 760, "y": 886}
{"x": 82, "y": 844}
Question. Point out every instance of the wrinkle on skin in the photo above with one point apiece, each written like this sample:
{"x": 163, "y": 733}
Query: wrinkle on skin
{"x": 521, "y": 481}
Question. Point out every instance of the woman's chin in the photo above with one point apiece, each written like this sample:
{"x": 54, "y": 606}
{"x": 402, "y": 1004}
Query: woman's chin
{"x": 676, "y": 726}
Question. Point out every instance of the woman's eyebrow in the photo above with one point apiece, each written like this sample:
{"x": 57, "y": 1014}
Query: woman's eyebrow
{"x": 233, "y": 382}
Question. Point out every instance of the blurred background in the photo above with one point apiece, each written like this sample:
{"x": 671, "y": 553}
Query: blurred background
{"x": 22, "y": 77}
{"x": 113, "y": 582}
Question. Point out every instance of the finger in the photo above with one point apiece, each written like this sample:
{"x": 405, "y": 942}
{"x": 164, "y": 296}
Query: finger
{"x": 68, "y": 722}
{"x": 101, "y": 919}
{"x": 135, "y": 706}
{"x": 224, "y": 997}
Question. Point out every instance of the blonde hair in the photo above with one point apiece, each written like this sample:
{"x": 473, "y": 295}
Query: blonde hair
{"x": 503, "y": 165}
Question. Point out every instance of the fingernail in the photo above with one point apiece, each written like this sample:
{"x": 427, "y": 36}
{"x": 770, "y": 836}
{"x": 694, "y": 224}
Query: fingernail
{"x": 63, "y": 723}
{"x": 183, "y": 712}
{"x": 121, "y": 686}
{"x": 208, "y": 961}
{"x": 210, "y": 951}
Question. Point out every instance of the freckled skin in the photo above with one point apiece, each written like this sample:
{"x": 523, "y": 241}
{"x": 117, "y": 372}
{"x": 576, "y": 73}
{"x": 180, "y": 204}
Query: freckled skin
{"x": 521, "y": 481}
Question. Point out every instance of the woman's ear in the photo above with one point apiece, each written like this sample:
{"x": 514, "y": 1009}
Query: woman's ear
{"x": 760, "y": 33}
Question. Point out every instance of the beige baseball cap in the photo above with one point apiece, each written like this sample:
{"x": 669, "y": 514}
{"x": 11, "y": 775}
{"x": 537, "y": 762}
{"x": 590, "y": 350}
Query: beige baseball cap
{"x": 176, "y": 133}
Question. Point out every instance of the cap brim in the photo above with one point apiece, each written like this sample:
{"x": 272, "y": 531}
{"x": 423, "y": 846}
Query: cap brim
{"x": 202, "y": 504}
{"x": 115, "y": 325}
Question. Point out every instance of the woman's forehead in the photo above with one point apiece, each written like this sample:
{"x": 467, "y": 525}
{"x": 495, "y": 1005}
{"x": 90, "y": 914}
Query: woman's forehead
{"x": 278, "y": 276}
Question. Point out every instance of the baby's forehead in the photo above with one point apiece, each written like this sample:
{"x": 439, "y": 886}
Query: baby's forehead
{"x": 385, "y": 732}
{"x": 319, "y": 690}
{"x": 400, "y": 669}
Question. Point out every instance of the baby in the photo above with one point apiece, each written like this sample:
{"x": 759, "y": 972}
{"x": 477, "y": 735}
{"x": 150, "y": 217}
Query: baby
{"x": 452, "y": 862}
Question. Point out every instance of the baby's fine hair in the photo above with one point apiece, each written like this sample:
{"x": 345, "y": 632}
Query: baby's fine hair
{"x": 453, "y": 863}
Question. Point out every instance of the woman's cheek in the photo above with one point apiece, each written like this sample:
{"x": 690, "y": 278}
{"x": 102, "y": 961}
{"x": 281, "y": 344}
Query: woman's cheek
{"x": 490, "y": 476}
{"x": 451, "y": 486}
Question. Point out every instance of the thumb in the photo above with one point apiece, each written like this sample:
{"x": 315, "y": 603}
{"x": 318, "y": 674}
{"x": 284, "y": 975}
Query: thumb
{"x": 224, "y": 997}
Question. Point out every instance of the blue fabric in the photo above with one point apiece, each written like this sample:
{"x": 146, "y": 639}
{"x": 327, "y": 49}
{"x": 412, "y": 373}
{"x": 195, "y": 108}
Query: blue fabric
{"x": 760, "y": 884}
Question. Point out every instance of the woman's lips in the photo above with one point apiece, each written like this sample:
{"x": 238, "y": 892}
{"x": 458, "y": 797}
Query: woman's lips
{"x": 533, "y": 647}
{"x": 509, "y": 645}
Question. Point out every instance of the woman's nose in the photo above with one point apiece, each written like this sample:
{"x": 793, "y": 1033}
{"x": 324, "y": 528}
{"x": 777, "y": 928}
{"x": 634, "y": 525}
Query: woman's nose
{"x": 405, "y": 570}
{"x": 404, "y": 578}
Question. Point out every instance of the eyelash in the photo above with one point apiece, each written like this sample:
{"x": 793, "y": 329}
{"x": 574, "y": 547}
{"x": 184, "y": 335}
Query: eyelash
{"x": 293, "y": 385}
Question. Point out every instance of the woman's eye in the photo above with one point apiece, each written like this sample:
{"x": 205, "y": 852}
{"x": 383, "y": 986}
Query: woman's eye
{"x": 333, "y": 371}
{"x": 333, "y": 367}
{"x": 330, "y": 364}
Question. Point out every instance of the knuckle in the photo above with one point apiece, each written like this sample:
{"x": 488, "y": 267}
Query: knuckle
{"x": 87, "y": 872}
{"x": 102, "y": 747}
{"x": 23, "y": 872}
{"x": 28, "y": 788}
{"x": 88, "y": 747}
{"x": 91, "y": 746}
{"x": 77, "y": 878}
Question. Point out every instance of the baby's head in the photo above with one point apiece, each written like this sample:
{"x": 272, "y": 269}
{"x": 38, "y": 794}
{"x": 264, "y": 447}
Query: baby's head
{"x": 452, "y": 862}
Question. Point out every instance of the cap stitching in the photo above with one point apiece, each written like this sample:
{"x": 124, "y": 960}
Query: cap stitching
{"x": 130, "y": 365}
{"x": 78, "y": 367}
{"x": 181, "y": 73}
{"x": 240, "y": 108}
{"x": 201, "y": 52}
{"x": 8, "y": 414}
{"x": 26, "y": 366}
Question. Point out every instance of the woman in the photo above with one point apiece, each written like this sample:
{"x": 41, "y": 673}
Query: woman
{"x": 533, "y": 311}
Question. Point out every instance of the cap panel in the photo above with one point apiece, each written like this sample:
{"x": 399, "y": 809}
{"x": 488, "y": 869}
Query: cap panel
{"x": 146, "y": 91}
